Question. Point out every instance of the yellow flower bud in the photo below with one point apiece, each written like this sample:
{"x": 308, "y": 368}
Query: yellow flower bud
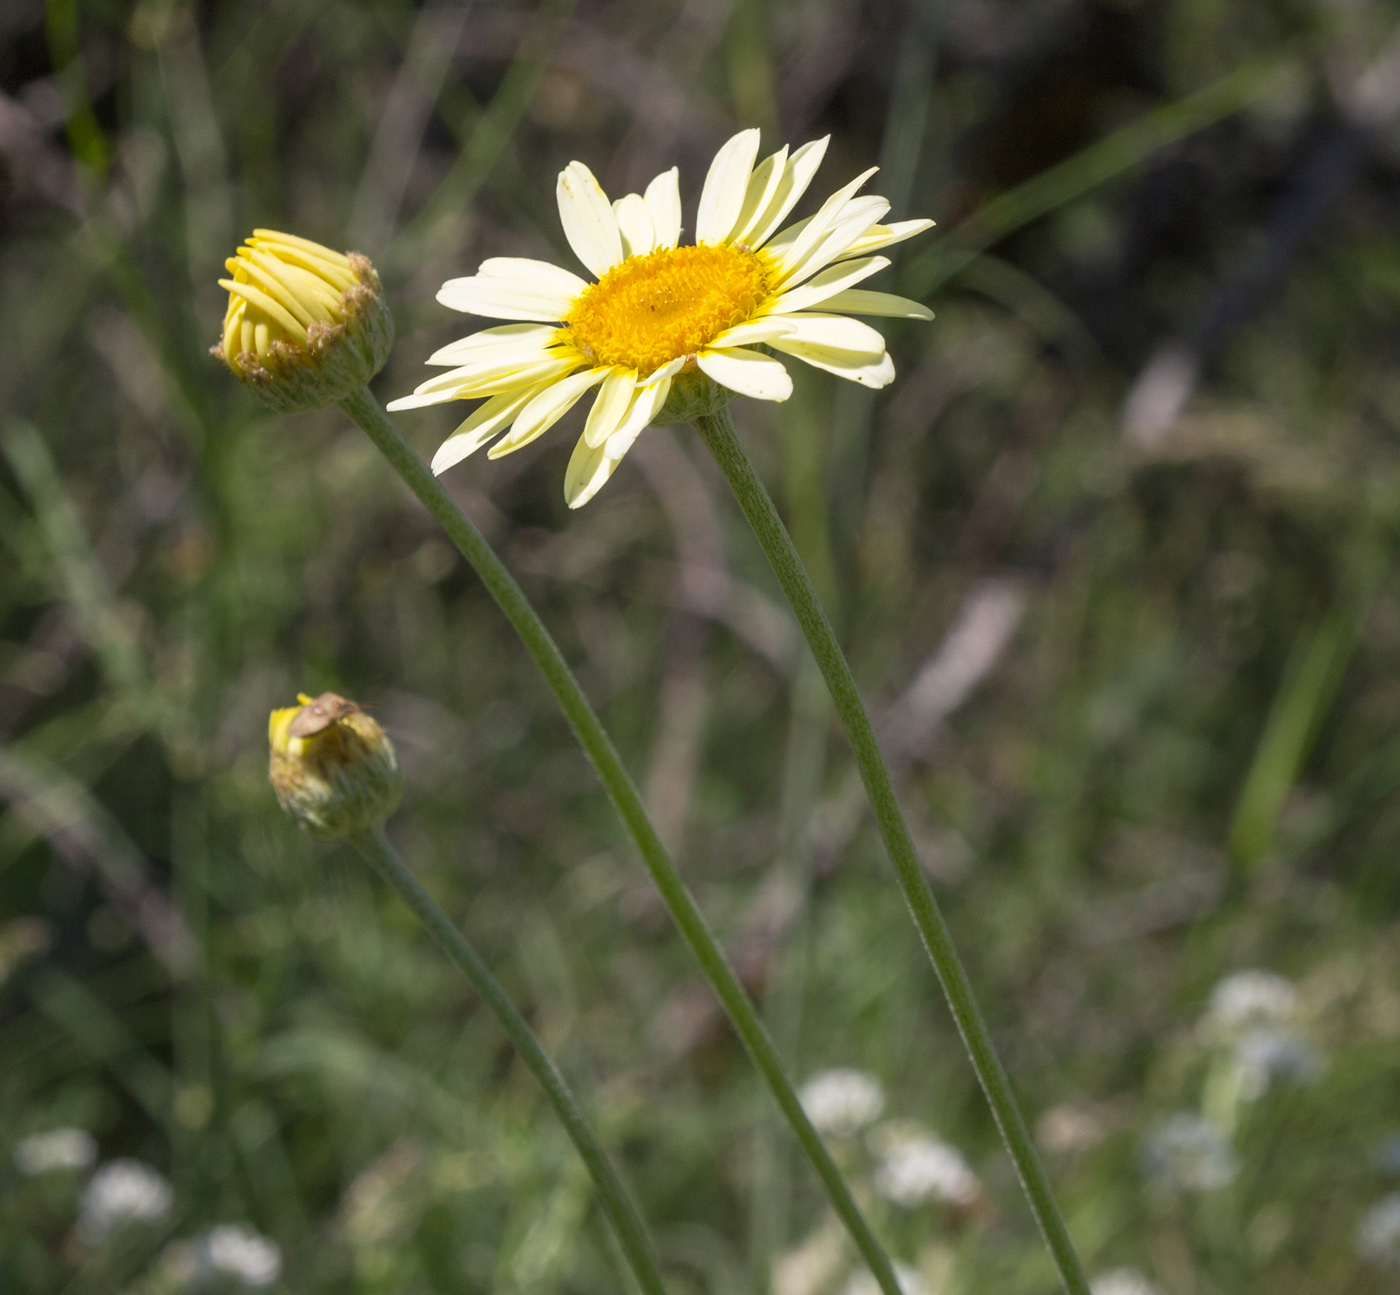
{"x": 333, "y": 768}
{"x": 305, "y": 326}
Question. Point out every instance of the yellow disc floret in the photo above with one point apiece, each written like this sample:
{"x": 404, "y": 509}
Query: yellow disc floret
{"x": 656, "y": 308}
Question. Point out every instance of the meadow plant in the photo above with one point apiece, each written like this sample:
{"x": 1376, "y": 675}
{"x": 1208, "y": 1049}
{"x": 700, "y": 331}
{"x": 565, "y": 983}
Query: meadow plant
{"x": 672, "y": 334}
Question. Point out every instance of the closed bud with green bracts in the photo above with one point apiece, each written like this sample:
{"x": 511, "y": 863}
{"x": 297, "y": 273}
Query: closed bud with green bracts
{"x": 333, "y": 768}
{"x": 305, "y": 326}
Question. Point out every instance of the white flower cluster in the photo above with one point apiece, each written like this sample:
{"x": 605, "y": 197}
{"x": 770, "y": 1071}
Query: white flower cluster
{"x": 1122, "y": 1281}
{"x": 1189, "y": 1153}
{"x": 64, "y": 1148}
{"x": 841, "y": 1102}
{"x": 921, "y": 1168}
{"x": 1378, "y": 1233}
{"x": 230, "y": 1252}
{"x": 1246, "y": 999}
{"x": 121, "y": 1193}
{"x": 1263, "y": 1055}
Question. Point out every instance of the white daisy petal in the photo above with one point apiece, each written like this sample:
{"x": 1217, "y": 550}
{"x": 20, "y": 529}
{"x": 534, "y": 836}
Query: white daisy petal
{"x": 493, "y": 384}
{"x": 591, "y": 466}
{"x": 858, "y": 301}
{"x": 488, "y": 419}
{"x": 419, "y": 399}
{"x": 546, "y": 409}
{"x": 588, "y": 220}
{"x": 523, "y": 339}
{"x": 663, "y": 200}
{"x": 667, "y": 370}
{"x": 820, "y": 225}
{"x": 763, "y": 184}
{"x": 883, "y": 235}
{"x": 869, "y": 371}
{"x": 797, "y": 175}
{"x": 725, "y": 186}
{"x": 492, "y": 366}
{"x": 825, "y": 285}
{"x": 747, "y": 372}
{"x": 838, "y": 332}
{"x": 522, "y": 269}
{"x": 635, "y": 225}
{"x": 754, "y": 332}
{"x": 854, "y": 219}
{"x": 500, "y": 298}
{"x": 614, "y": 399}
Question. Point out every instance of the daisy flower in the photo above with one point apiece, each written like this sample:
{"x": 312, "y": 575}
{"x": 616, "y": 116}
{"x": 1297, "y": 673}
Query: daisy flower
{"x": 661, "y": 319}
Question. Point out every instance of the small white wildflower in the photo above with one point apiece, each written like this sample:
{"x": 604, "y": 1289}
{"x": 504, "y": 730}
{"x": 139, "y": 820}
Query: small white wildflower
{"x": 924, "y": 1168}
{"x": 233, "y": 1250}
{"x": 1250, "y": 998}
{"x": 842, "y": 1102}
{"x": 1264, "y": 1055}
{"x": 1378, "y": 1233}
{"x": 862, "y": 1281}
{"x": 1122, "y": 1281}
{"x": 120, "y": 1193}
{"x": 1190, "y": 1153}
{"x": 65, "y": 1148}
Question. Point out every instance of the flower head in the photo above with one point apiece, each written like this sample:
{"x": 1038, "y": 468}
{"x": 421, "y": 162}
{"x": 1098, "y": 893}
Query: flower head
{"x": 841, "y": 1102}
{"x": 1190, "y": 1153}
{"x": 1122, "y": 1281}
{"x": 1249, "y": 998}
{"x": 122, "y": 1193}
{"x": 64, "y": 1148}
{"x": 305, "y": 326}
{"x": 667, "y": 333}
{"x": 333, "y": 768}
{"x": 916, "y": 1168}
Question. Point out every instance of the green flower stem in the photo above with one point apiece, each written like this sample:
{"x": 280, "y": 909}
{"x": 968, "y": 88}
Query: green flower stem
{"x": 365, "y": 410}
{"x": 627, "y": 1223}
{"x": 717, "y": 431}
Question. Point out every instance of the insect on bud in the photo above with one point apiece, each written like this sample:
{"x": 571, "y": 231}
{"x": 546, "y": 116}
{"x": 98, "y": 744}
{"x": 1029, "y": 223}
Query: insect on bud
{"x": 305, "y": 326}
{"x": 333, "y": 768}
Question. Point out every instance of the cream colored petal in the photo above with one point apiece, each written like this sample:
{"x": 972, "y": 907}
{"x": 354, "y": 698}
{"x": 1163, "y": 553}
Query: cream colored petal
{"x": 884, "y": 235}
{"x": 753, "y": 333}
{"x": 549, "y": 371}
{"x": 614, "y": 399}
{"x": 667, "y": 370}
{"x": 781, "y": 243}
{"x": 501, "y": 298}
{"x": 763, "y": 184}
{"x": 748, "y": 373}
{"x": 525, "y": 270}
{"x": 797, "y": 175}
{"x": 513, "y": 338}
{"x": 869, "y": 371}
{"x": 826, "y": 284}
{"x": 663, "y": 200}
{"x": 858, "y": 301}
{"x": 421, "y": 398}
{"x": 591, "y": 466}
{"x": 486, "y": 420}
{"x": 820, "y": 225}
{"x": 839, "y": 332}
{"x": 850, "y": 223}
{"x": 634, "y": 223}
{"x": 723, "y": 195}
{"x": 587, "y": 216}
{"x": 546, "y": 409}
{"x": 588, "y": 471}
{"x": 492, "y": 366}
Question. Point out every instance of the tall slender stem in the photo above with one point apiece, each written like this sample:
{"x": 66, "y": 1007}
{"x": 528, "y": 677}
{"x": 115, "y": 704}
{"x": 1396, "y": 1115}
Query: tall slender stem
{"x": 617, "y": 782}
{"x": 626, "y": 1221}
{"x": 717, "y": 431}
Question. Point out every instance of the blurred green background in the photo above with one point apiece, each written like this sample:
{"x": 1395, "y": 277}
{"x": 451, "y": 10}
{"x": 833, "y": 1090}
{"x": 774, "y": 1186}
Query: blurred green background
{"x": 1112, "y": 559}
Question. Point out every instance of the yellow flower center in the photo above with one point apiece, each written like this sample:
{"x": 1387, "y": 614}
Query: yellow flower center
{"x": 655, "y": 308}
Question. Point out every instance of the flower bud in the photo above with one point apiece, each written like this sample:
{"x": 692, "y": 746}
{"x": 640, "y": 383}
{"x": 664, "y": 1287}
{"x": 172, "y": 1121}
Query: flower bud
{"x": 305, "y": 326}
{"x": 333, "y": 768}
